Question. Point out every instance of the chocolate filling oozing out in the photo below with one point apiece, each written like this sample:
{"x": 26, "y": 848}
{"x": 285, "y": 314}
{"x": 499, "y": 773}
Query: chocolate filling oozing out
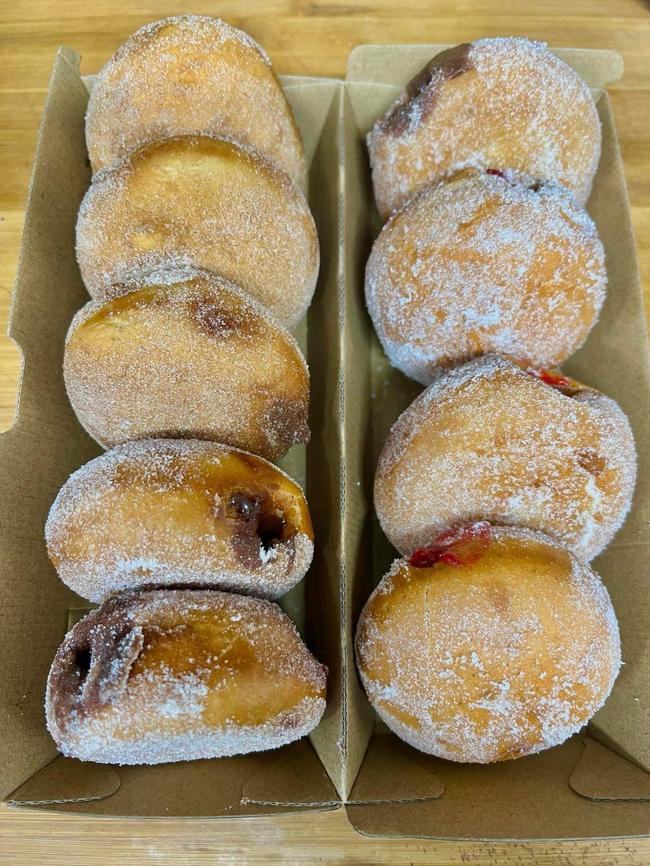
{"x": 445, "y": 66}
{"x": 260, "y": 526}
{"x": 93, "y": 665}
{"x": 82, "y": 659}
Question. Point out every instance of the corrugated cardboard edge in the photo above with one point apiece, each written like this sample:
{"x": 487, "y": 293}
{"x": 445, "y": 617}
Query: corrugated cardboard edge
{"x": 42, "y": 788}
{"x": 624, "y": 780}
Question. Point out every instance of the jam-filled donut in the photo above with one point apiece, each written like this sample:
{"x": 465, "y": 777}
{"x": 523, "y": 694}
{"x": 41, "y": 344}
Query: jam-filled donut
{"x": 191, "y": 74}
{"x": 507, "y": 104}
{"x": 492, "y": 644}
{"x": 204, "y": 202}
{"x": 176, "y": 675}
{"x": 483, "y": 264}
{"x": 490, "y": 440}
{"x": 170, "y": 511}
{"x": 186, "y": 355}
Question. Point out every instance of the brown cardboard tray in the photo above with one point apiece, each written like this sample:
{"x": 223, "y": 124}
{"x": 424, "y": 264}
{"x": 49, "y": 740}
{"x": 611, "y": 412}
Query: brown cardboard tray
{"x": 592, "y": 786}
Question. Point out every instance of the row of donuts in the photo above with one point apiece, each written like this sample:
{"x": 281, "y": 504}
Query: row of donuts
{"x": 198, "y": 249}
{"x": 492, "y": 638}
{"x": 482, "y": 168}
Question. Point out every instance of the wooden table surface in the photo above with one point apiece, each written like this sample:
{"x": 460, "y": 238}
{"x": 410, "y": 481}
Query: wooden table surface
{"x": 312, "y": 38}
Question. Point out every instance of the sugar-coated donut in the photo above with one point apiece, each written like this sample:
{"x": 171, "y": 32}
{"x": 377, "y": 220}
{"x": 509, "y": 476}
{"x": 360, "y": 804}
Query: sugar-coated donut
{"x": 483, "y": 264}
{"x": 176, "y": 675}
{"x": 191, "y": 74}
{"x": 489, "y": 440}
{"x": 506, "y": 104}
{"x": 170, "y": 511}
{"x": 202, "y": 202}
{"x": 499, "y": 644}
{"x": 186, "y": 354}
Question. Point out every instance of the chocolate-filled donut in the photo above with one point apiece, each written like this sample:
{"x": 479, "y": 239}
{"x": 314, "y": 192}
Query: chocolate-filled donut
{"x": 160, "y": 512}
{"x": 159, "y": 676}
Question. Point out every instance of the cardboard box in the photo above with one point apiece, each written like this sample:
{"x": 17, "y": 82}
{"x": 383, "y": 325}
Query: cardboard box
{"x": 387, "y": 787}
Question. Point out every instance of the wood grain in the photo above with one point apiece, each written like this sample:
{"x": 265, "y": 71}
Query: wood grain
{"x": 312, "y": 37}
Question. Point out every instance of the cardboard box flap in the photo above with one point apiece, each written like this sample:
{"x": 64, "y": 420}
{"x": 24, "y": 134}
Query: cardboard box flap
{"x": 46, "y": 442}
{"x": 615, "y": 360}
{"x": 356, "y": 456}
{"x": 401, "y": 773}
{"x": 294, "y": 777}
{"x": 601, "y": 774}
{"x": 65, "y": 781}
{"x": 395, "y": 65}
{"x": 525, "y": 799}
{"x": 61, "y": 168}
{"x": 322, "y": 586}
{"x": 311, "y": 100}
{"x": 192, "y": 789}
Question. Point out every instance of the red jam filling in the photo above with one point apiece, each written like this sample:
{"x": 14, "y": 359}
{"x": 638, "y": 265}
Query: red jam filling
{"x": 555, "y": 380}
{"x": 461, "y": 545}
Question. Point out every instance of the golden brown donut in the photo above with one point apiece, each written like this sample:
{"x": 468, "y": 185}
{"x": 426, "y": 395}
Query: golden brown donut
{"x": 481, "y": 264}
{"x": 507, "y": 104}
{"x": 169, "y": 511}
{"x": 202, "y": 202}
{"x": 186, "y": 355}
{"x": 176, "y": 675}
{"x": 490, "y": 441}
{"x": 499, "y": 645}
{"x": 191, "y": 74}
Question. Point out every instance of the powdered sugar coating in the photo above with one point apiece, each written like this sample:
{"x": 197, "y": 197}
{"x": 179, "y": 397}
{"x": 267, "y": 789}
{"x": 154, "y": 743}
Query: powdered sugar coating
{"x": 484, "y": 264}
{"x": 191, "y": 74}
{"x": 153, "y": 677}
{"x": 160, "y": 512}
{"x": 494, "y": 660}
{"x": 186, "y": 354}
{"x": 202, "y": 202}
{"x": 503, "y": 103}
{"x": 488, "y": 441}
